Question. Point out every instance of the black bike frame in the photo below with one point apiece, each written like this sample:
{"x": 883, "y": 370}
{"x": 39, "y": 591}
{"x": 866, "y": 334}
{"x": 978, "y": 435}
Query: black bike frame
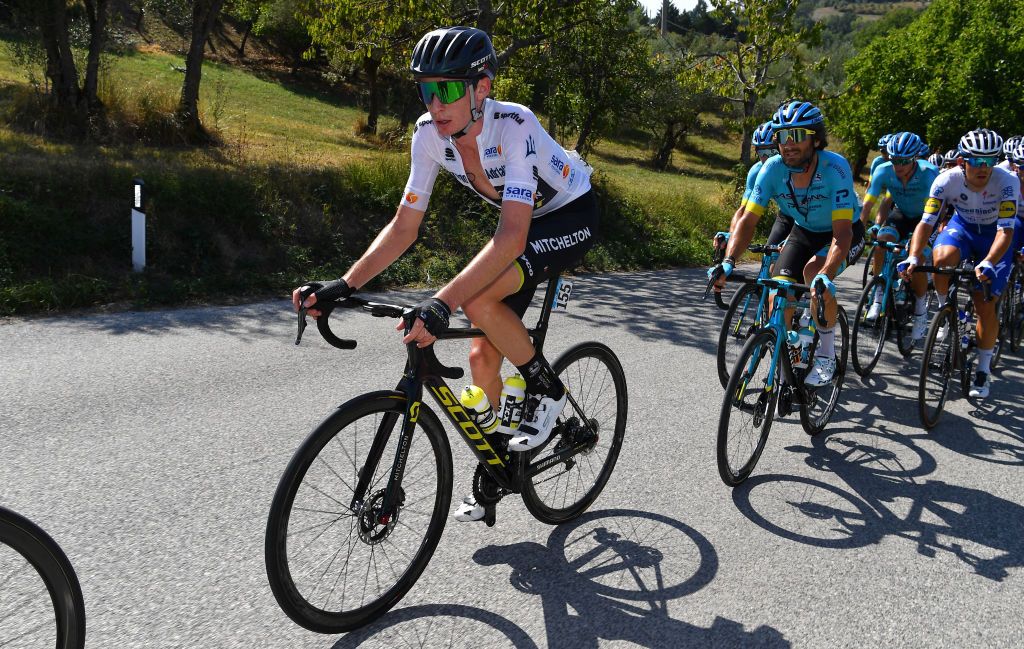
{"x": 509, "y": 470}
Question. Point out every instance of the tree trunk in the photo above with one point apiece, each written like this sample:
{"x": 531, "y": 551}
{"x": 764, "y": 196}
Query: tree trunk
{"x": 245, "y": 37}
{"x": 60, "y": 60}
{"x": 370, "y": 66}
{"x": 97, "y": 11}
{"x": 663, "y": 156}
{"x": 749, "y": 103}
{"x": 204, "y": 15}
{"x": 582, "y": 142}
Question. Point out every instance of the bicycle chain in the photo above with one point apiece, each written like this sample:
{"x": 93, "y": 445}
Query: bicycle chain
{"x": 485, "y": 490}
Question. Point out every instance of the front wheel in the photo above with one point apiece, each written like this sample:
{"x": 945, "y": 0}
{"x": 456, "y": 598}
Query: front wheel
{"x": 937, "y": 364}
{"x": 595, "y": 423}
{"x": 41, "y": 602}
{"x": 748, "y": 408}
{"x": 820, "y": 403}
{"x": 334, "y": 565}
{"x": 741, "y": 319}
{"x": 869, "y": 335}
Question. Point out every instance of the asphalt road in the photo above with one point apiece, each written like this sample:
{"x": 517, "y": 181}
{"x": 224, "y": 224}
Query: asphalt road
{"x": 149, "y": 445}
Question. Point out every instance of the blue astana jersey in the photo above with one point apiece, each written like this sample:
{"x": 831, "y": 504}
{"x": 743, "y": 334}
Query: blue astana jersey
{"x": 829, "y": 197}
{"x": 909, "y": 198}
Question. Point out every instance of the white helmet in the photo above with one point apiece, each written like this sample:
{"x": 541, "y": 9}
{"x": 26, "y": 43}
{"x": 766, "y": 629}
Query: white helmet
{"x": 981, "y": 141}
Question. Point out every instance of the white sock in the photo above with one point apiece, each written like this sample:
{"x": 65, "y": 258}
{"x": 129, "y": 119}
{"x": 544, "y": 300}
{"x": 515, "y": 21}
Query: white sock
{"x": 985, "y": 360}
{"x": 921, "y": 305}
{"x": 942, "y": 298}
{"x": 879, "y": 293}
{"x": 826, "y": 343}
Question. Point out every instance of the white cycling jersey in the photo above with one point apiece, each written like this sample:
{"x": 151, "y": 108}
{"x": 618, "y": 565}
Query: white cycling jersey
{"x": 995, "y": 204}
{"x": 1005, "y": 164}
{"x": 521, "y": 161}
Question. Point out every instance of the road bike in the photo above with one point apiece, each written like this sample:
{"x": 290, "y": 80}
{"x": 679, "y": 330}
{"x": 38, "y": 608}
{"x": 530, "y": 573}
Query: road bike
{"x": 950, "y": 346}
{"x": 41, "y": 603}
{"x": 896, "y": 313}
{"x": 350, "y": 532}
{"x": 764, "y": 381}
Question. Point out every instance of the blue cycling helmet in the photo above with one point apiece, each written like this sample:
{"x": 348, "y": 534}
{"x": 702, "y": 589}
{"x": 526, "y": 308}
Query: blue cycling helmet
{"x": 924, "y": 151}
{"x": 762, "y": 136}
{"x": 797, "y": 113}
{"x": 904, "y": 145}
{"x": 882, "y": 141}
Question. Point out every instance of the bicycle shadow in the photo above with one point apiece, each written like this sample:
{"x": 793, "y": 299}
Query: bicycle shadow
{"x": 440, "y": 625}
{"x": 886, "y": 498}
{"x": 611, "y": 574}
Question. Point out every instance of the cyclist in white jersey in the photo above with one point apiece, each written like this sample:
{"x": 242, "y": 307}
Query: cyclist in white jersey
{"x": 548, "y": 221}
{"x": 986, "y": 199}
{"x": 1008, "y": 148}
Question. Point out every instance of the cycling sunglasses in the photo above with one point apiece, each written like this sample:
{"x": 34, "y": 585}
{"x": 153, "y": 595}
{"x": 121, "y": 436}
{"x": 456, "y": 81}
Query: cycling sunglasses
{"x": 768, "y": 151}
{"x": 983, "y": 160}
{"x": 797, "y": 135}
{"x": 899, "y": 162}
{"x": 447, "y": 92}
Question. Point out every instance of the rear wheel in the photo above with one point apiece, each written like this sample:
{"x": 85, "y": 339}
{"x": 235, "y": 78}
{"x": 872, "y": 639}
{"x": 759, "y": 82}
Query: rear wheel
{"x": 595, "y": 424}
{"x": 748, "y": 408}
{"x": 937, "y": 365}
{"x": 869, "y": 335}
{"x": 739, "y": 322}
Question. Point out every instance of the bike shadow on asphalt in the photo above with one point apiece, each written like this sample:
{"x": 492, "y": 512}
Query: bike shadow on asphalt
{"x": 883, "y": 491}
{"x": 608, "y": 575}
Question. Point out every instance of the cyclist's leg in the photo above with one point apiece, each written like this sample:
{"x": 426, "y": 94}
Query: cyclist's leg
{"x": 780, "y": 230}
{"x": 888, "y": 233}
{"x": 499, "y": 321}
{"x": 800, "y": 247}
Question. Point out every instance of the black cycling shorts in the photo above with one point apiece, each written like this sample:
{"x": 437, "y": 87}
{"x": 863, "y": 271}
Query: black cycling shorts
{"x": 904, "y": 226}
{"x": 780, "y": 230}
{"x": 803, "y": 244}
{"x": 556, "y": 241}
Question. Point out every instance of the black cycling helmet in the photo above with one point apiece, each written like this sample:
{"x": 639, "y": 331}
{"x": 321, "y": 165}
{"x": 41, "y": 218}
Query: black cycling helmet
{"x": 454, "y": 52}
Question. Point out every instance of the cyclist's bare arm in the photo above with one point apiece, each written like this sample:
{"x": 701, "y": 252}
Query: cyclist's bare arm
{"x": 742, "y": 234}
{"x": 865, "y": 212}
{"x": 508, "y": 242}
{"x": 999, "y": 247}
{"x": 393, "y": 240}
{"x": 842, "y": 237}
{"x": 883, "y": 211}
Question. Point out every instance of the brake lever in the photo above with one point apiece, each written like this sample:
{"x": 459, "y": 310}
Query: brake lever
{"x": 302, "y": 324}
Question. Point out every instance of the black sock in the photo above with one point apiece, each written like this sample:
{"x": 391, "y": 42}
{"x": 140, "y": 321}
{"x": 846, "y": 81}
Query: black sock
{"x": 540, "y": 378}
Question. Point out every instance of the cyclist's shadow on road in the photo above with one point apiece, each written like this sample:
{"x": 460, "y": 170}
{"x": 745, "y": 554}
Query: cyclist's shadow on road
{"x": 889, "y": 496}
{"x": 611, "y": 574}
{"x": 608, "y": 575}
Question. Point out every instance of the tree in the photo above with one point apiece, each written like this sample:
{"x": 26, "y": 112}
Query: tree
{"x": 766, "y": 38}
{"x": 894, "y": 84}
{"x": 204, "y": 15}
{"x": 53, "y": 19}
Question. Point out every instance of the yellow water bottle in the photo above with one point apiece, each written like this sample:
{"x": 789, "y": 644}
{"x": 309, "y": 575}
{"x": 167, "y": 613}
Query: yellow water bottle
{"x": 513, "y": 401}
{"x": 474, "y": 400}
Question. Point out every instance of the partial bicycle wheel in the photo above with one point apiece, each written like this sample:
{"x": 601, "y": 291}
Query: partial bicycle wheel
{"x": 903, "y": 317}
{"x": 41, "y": 602}
{"x": 937, "y": 366}
{"x": 869, "y": 335}
{"x": 739, "y": 322}
{"x": 595, "y": 381}
{"x": 333, "y": 565}
{"x": 748, "y": 408}
{"x": 869, "y": 254}
{"x": 816, "y": 414}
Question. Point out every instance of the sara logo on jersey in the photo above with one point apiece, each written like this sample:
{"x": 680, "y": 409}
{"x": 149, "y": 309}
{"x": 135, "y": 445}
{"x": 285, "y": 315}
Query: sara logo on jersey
{"x": 560, "y": 166}
{"x": 492, "y": 152}
{"x": 518, "y": 193}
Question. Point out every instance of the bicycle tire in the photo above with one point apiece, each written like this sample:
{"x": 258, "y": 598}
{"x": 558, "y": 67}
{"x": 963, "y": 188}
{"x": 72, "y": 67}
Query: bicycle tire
{"x": 866, "y": 355}
{"x": 39, "y": 556}
{"x": 815, "y": 423}
{"x": 580, "y": 370}
{"x": 385, "y": 408}
{"x": 902, "y": 321}
{"x": 761, "y": 407}
{"x": 733, "y": 333}
{"x": 1007, "y": 315}
{"x": 869, "y": 256}
{"x": 938, "y": 361}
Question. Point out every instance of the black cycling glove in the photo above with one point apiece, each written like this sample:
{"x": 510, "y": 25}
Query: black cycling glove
{"x": 434, "y": 313}
{"x": 326, "y": 291}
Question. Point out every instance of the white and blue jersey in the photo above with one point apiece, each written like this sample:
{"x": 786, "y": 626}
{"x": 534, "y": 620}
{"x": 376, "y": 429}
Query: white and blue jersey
{"x": 829, "y": 197}
{"x": 909, "y": 198}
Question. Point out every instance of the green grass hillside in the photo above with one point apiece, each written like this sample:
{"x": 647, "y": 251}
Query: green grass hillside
{"x": 292, "y": 192}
